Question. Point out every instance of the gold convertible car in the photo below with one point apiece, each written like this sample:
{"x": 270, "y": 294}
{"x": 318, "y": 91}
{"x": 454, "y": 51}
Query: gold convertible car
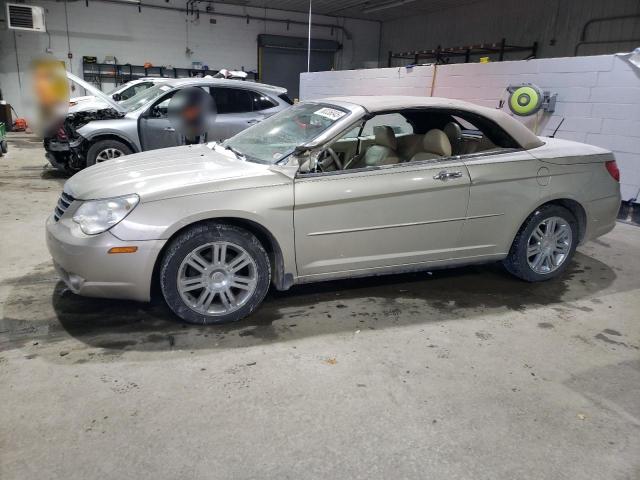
{"x": 327, "y": 189}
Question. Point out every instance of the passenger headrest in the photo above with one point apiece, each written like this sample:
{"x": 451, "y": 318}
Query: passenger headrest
{"x": 436, "y": 141}
{"x": 385, "y": 136}
{"x": 453, "y": 131}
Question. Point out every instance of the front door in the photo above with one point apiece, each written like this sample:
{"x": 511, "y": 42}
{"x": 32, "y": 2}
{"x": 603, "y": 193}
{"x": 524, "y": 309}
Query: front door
{"x": 155, "y": 128}
{"x": 374, "y": 219}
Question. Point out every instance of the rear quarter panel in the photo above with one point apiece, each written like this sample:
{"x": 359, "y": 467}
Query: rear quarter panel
{"x": 577, "y": 171}
{"x": 504, "y": 191}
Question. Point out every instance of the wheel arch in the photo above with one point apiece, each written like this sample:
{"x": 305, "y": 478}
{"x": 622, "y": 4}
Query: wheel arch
{"x": 111, "y": 136}
{"x": 575, "y": 207}
{"x": 280, "y": 279}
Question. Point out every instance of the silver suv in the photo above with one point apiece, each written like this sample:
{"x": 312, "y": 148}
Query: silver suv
{"x": 141, "y": 123}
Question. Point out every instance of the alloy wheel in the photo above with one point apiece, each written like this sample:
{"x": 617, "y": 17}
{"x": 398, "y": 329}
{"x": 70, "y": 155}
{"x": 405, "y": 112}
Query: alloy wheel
{"x": 217, "y": 278}
{"x": 108, "y": 154}
{"x": 549, "y": 245}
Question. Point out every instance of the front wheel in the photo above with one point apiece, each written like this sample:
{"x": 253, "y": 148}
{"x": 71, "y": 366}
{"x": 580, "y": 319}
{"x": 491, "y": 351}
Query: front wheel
{"x": 214, "y": 273}
{"x": 104, "y": 150}
{"x": 544, "y": 245}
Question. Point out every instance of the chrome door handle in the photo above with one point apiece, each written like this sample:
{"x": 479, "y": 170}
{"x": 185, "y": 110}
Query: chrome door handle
{"x": 444, "y": 175}
{"x": 169, "y": 129}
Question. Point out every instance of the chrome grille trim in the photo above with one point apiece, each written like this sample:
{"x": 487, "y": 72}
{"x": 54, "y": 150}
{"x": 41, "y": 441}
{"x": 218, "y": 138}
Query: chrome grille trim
{"x": 63, "y": 203}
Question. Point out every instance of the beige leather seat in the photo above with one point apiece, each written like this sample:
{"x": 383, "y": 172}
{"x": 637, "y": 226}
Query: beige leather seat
{"x": 383, "y": 151}
{"x": 435, "y": 145}
{"x": 454, "y": 134}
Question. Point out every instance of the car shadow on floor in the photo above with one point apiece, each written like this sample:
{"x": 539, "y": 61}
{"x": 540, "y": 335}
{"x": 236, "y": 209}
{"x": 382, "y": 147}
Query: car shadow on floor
{"x": 307, "y": 310}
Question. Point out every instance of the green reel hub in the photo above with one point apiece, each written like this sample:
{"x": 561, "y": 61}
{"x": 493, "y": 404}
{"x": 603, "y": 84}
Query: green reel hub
{"x": 525, "y": 100}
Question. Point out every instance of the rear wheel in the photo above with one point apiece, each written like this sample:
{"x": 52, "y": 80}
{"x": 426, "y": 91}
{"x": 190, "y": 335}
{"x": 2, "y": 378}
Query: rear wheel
{"x": 214, "y": 273}
{"x": 104, "y": 150}
{"x": 4, "y": 146}
{"x": 544, "y": 245}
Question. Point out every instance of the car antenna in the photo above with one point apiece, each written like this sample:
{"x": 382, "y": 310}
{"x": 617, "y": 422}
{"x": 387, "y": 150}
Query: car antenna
{"x": 553, "y": 135}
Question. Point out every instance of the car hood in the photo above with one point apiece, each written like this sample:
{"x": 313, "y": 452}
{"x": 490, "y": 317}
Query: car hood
{"x": 171, "y": 172}
{"x": 96, "y": 92}
{"x": 83, "y": 104}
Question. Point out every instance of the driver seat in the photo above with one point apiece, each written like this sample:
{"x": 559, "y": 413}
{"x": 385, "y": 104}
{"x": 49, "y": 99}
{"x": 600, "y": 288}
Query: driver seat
{"x": 384, "y": 149}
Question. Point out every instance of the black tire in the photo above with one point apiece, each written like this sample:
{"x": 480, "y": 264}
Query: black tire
{"x": 102, "y": 145}
{"x": 200, "y": 235}
{"x": 4, "y": 146}
{"x": 516, "y": 262}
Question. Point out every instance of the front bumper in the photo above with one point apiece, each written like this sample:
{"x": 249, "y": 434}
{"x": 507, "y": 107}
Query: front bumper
{"x": 55, "y": 145}
{"x": 87, "y": 269}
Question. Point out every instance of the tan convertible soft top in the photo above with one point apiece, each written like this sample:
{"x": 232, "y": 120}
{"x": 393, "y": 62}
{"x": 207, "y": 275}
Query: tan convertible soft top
{"x": 521, "y": 134}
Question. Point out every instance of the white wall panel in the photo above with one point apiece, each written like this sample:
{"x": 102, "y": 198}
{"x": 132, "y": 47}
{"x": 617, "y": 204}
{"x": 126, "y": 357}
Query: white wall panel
{"x": 160, "y": 37}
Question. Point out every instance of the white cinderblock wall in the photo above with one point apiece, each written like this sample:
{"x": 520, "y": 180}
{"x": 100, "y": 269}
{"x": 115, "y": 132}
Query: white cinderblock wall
{"x": 598, "y": 96}
{"x": 376, "y": 81}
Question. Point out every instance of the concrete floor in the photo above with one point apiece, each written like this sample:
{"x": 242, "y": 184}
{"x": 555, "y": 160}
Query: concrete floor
{"x": 460, "y": 374}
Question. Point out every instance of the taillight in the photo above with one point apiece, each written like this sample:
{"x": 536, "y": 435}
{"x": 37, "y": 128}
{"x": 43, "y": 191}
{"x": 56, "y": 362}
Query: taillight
{"x": 612, "y": 168}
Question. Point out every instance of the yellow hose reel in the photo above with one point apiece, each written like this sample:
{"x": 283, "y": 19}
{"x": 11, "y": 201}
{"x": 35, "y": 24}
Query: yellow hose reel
{"x": 527, "y": 99}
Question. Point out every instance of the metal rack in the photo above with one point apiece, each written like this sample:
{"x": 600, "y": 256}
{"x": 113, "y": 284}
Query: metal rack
{"x": 98, "y": 72}
{"x": 442, "y": 55}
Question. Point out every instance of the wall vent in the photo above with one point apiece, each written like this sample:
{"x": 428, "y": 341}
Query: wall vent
{"x": 25, "y": 17}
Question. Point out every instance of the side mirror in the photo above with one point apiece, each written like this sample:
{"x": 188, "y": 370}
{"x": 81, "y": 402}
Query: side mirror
{"x": 155, "y": 112}
{"x": 117, "y": 97}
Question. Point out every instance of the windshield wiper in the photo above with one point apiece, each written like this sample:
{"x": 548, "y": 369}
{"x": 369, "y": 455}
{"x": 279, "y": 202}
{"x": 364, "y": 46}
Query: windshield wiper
{"x": 237, "y": 153}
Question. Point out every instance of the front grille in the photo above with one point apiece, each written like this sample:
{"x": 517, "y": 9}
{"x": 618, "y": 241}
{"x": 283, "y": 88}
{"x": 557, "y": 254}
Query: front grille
{"x": 63, "y": 203}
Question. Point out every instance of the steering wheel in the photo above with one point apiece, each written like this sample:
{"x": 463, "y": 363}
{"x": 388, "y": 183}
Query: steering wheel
{"x": 329, "y": 157}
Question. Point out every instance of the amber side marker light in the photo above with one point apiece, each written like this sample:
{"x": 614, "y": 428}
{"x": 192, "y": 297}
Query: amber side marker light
{"x": 123, "y": 250}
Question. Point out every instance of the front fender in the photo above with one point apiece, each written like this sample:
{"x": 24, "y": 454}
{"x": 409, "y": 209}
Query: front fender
{"x": 112, "y": 128}
{"x": 270, "y": 208}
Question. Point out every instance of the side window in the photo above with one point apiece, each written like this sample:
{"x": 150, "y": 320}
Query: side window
{"x": 261, "y": 102}
{"x": 160, "y": 109}
{"x": 231, "y": 100}
{"x": 397, "y": 122}
{"x": 476, "y": 134}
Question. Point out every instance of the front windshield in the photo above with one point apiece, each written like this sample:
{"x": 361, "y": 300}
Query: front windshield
{"x": 276, "y": 137}
{"x": 145, "y": 96}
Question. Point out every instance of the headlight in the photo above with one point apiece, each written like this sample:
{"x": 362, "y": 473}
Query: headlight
{"x": 97, "y": 216}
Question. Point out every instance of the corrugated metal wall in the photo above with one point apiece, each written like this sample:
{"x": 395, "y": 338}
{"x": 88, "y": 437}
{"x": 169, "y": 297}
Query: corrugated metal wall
{"x": 555, "y": 24}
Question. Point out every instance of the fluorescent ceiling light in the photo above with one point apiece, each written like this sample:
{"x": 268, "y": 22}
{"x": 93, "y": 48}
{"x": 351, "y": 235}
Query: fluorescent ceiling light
{"x": 384, "y": 6}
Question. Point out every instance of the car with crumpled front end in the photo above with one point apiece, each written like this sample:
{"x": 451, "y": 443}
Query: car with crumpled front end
{"x": 142, "y": 122}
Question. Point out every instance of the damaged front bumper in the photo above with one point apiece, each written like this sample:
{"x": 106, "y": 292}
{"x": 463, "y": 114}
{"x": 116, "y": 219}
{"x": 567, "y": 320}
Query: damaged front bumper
{"x": 63, "y": 154}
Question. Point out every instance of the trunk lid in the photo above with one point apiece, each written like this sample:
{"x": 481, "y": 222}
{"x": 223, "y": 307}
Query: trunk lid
{"x": 567, "y": 152}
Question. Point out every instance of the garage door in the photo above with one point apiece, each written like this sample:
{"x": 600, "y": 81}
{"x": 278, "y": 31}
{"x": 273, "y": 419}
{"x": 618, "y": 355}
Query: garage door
{"x": 282, "y": 59}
